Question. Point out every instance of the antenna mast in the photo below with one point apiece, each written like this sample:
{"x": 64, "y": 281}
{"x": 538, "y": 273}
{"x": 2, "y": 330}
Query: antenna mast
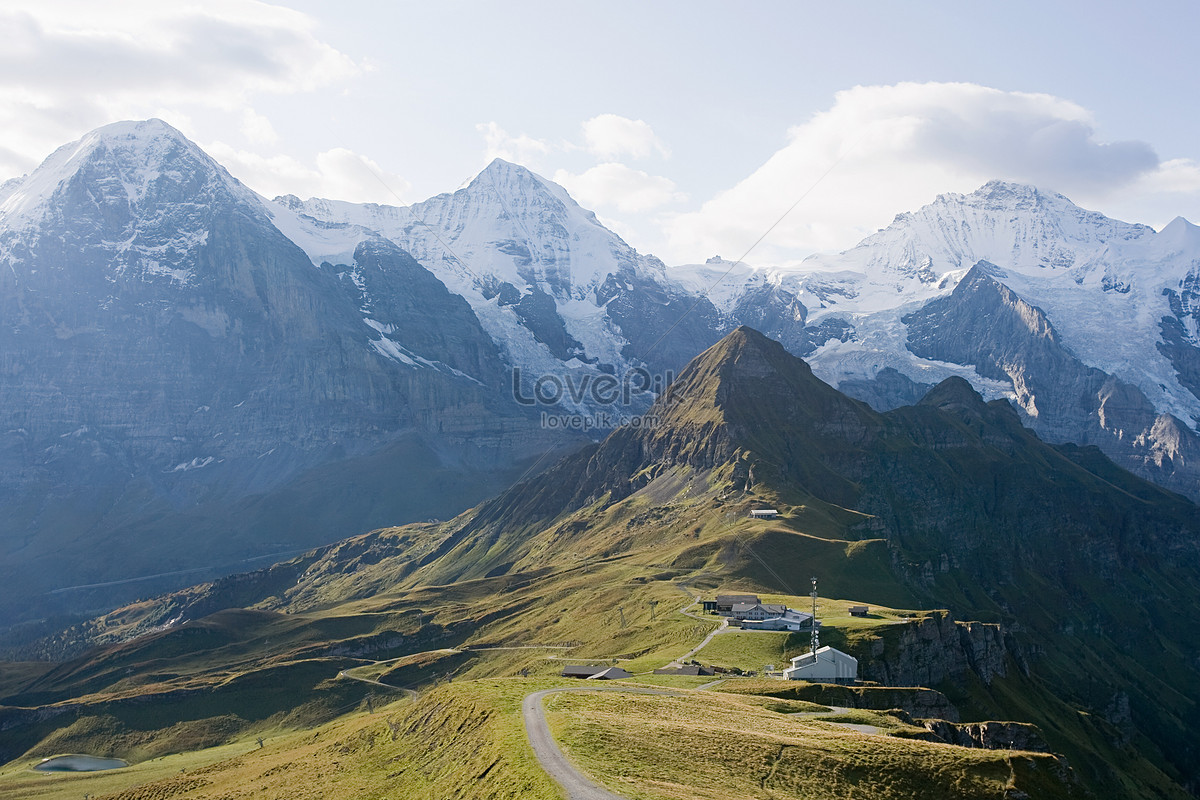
{"x": 816, "y": 640}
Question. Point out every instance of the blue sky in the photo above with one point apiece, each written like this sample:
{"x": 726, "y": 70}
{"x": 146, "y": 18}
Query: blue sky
{"x": 688, "y": 127}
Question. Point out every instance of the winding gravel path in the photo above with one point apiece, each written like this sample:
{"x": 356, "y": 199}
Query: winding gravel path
{"x": 577, "y": 785}
{"x": 412, "y": 695}
{"x": 722, "y": 628}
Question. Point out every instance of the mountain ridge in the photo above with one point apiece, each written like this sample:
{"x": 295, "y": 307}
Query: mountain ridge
{"x": 156, "y": 270}
{"x": 949, "y": 503}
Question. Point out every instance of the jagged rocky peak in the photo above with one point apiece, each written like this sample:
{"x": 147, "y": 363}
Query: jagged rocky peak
{"x": 744, "y": 357}
{"x": 289, "y": 201}
{"x": 986, "y": 277}
{"x": 1001, "y": 195}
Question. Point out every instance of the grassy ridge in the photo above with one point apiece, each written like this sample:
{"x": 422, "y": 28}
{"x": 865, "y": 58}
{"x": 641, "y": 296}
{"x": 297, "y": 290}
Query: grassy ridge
{"x": 459, "y": 740}
{"x": 714, "y": 746}
{"x": 466, "y": 739}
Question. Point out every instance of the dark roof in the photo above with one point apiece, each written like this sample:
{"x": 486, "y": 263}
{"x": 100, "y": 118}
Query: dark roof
{"x": 610, "y": 674}
{"x": 582, "y": 670}
{"x": 687, "y": 669}
{"x": 768, "y": 608}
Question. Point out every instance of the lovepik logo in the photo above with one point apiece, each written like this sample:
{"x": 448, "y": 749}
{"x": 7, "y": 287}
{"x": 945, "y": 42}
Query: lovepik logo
{"x": 637, "y": 385}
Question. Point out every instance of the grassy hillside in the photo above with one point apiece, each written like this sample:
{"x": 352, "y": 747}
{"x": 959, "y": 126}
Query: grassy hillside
{"x": 457, "y": 741}
{"x": 716, "y": 746}
{"x": 466, "y": 740}
{"x": 1082, "y": 578}
{"x": 645, "y": 556}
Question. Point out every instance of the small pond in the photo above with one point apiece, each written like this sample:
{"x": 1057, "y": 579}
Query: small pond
{"x": 76, "y": 763}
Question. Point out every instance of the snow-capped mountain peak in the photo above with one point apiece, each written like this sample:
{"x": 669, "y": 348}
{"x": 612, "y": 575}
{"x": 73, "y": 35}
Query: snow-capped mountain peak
{"x": 507, "y": 226}
{"x": 1179, "y": 233}
{"x": 139, "y": 192}
{"x": 512, "y": 226}
{"x": 516, "y": 184}
{"x": 1018, "y": 226}
{"x": 125, "y": 160}
{"x": 531, "y": 261}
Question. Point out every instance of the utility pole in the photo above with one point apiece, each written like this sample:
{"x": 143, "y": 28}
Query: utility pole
{"x": 816, "y": 639}
{"x": 652, "y": 604}
{"x": 621, "y": 609}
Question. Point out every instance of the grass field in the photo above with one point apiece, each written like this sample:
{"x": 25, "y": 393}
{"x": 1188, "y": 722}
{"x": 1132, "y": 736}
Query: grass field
{"x": 19, "y": 782}
{"x": 458, "y": 740}
{"x": 713, "y": 746}
{"x": 466, "y": 739}
{"x": 674, "y": 681}
{"x": 752, "y": 650}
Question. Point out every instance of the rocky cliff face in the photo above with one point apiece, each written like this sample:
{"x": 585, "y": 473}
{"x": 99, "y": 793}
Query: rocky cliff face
{"x": 984, "y": 323}
{"x": 168, "y": 355}
{"x": 988, "y": 735}
{"x": 936, "y": 649}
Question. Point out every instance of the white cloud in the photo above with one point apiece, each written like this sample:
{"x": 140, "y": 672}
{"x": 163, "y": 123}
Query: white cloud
{"x": 610, "y": 136}
{"x": 336, "y": 174}
{"x": 521, "y": 149}
{"x": 1159, "y": 195}
{"x": 1177, "y": 175}
{"x": 617, "y": 186}
{"x": 884, "y": 149}
{"x": 257, "y": 128}
{"x": 70, "y": 66}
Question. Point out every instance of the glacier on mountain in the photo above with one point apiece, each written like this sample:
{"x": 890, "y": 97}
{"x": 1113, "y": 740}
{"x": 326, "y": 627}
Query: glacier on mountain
{"x": 1103, "y": 284}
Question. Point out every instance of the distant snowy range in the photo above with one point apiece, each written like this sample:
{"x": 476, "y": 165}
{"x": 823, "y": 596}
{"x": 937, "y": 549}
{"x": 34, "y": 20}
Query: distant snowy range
{"x": 195, "y": 377}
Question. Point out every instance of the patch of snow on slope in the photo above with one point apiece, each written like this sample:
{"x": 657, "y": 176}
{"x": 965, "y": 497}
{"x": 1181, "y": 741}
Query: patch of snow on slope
{"x": 320, "y": 241}
{"x": 722, "y": 282}
{"x": 396, "y": 352}
{"x": 880, "y": 343}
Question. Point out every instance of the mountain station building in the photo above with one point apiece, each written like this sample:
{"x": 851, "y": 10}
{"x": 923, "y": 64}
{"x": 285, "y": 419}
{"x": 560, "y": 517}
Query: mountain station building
{"x": 827, "y": 665}
{"x": 724, "y": 603}
{"x": 789, "y": 620}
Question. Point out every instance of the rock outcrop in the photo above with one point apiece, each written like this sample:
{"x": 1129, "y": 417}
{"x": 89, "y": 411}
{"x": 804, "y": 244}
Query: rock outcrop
{"x": 988, "y": 735}
{"x": 935, "y": 649}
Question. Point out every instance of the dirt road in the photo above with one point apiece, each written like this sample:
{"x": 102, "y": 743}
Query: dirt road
{"x": 577, "y": 785}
